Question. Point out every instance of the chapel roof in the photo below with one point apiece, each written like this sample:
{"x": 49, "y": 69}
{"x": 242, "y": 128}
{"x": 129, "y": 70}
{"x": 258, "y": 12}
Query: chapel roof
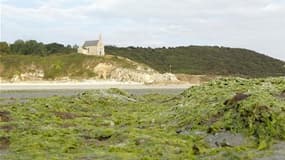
{"x": 90, "y": 43}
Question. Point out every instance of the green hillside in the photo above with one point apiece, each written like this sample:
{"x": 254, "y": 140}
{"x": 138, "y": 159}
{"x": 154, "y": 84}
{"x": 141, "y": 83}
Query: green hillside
{"x": 195, "y": 60}
{"x": 75, "y": 66}
{"x": 204, "y": 60}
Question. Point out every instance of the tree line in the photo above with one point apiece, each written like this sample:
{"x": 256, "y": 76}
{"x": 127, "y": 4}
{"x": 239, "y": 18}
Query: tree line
{"x": 205, "y": 60}
{"x": 32, "y": 47}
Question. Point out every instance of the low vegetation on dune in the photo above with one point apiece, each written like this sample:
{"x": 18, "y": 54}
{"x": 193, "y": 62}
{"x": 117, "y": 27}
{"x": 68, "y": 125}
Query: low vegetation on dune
{"x": 204, "y": 60}
{"x": 54, "y": 66}
{"x": 67, "y": 67}
{"x": 223, "y": 119}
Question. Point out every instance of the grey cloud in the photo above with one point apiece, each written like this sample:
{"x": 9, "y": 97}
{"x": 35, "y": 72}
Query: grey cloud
{"x": 254, "y": 24}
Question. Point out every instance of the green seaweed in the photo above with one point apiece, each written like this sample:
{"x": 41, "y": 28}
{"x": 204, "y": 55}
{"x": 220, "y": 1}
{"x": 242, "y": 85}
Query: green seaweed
{"x": 113, "y": 124}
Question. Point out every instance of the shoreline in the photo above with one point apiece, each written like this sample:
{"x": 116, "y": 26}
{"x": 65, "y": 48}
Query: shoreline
{"x": 87, "y": 84}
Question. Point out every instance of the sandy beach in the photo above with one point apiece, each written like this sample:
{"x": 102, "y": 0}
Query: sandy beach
{"x": 87, "y": 84}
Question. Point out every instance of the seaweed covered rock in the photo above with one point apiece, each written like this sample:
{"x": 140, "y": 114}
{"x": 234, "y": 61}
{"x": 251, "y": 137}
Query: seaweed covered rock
{"x": 229, "y": 118}
{"x": 252, "y": 107}
{"x": 225, "y": 139}
{"x": 105, "y": 95}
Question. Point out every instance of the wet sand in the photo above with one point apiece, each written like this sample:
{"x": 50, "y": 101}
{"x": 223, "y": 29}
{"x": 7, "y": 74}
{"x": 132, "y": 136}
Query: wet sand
{"x": 47, "y": 89}
{"x": 85, "y": 85}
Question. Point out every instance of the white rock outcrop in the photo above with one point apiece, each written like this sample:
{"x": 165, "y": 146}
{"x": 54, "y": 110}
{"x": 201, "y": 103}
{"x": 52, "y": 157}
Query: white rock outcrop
{"x": 141, "y": 74}
{"x": 33, "y": 75}
{"x": 107, "y": 71}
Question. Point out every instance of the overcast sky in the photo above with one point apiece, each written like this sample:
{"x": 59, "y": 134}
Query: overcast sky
{"x": 254, "y": 24}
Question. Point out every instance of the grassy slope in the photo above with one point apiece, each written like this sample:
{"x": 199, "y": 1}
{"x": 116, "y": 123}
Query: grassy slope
{"x": 57, "y": 65}
{"x": 204, "y": 60}
{"x": 187, "y": 60}
{"x": 115, "y": 125}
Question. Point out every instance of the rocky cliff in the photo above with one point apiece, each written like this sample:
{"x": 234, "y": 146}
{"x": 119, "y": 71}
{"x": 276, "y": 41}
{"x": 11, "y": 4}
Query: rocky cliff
{"x": 139, "y": 74}
{"x": 107, "y": 68}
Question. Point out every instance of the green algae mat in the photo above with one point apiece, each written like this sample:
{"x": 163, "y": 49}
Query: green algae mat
{"x": 229, "y": 118}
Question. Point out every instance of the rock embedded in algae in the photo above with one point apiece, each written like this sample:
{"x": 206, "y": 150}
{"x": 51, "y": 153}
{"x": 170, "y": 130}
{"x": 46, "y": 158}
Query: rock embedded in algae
{"x": 225, "y": 139}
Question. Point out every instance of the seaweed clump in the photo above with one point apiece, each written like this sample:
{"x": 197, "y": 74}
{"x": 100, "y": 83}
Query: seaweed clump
{"x": 230, "y": 118}
{"x": 238, "y": 105}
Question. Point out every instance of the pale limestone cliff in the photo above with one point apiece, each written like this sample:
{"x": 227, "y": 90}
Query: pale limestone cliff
{"x": 107, "y": 71}
{"x": 141, "y": 74}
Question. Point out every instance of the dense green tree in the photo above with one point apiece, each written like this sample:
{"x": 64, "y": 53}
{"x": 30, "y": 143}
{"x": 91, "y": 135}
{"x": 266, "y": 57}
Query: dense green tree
{"x": 28, "y": 47}
{"x": 38, "y": 48}
{"x": 69, "y": 49}
{"x": 33, "y": 47}
{"x": 18, "y": 47}
{"x": 75, "y": 47}
{"x": 55, "y": 48}
{"x": 4, "y": 47}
